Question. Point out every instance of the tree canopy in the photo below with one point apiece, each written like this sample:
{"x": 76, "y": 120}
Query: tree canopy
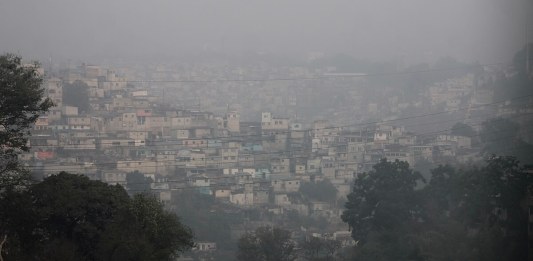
{"x": 382, "y": 199}
{"x": 462, "y": 129}
{"x": 77, "y": 94}
{"x": 521, "y": 58}
{"x": 266, "y": 244}
{"x": 481, "y": 208}
{"x": 518, "y": 85}
{"x": 21, "y": 102}
{"x": 210, "y": 222}
{"x": 69, "y": 217}
{"x": 315, "y": 248}
{"x": 322, "y": 191}
{"x": 501, "y": 136}
{"x": 138, "y": 183}
{"x": 474, "y": 213}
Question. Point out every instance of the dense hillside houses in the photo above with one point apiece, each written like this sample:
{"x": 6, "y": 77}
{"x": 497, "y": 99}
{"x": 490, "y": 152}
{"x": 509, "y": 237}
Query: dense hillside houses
{"x": 131, "y": 127}
{"x": 258, "y": 163}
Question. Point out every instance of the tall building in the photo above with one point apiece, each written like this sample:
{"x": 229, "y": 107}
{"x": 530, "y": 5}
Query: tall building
{"x": 54, "y": 91}
{"x": 233, "y": 120}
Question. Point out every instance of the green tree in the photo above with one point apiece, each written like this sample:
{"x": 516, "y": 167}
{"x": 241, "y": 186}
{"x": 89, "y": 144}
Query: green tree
{"x": 68, "y": 211}
{"x": 138, "y": 183}
{"x": 77, "y": 94}
{"x": 21, "y": 103}
{"x": 70, "y": 217}
{"x": 496, "y": 134}
{"x": 312, "y": 248}
{"x": 445, "y": 188}
{"x": 472, "y": 213}
{"x": 17, "y": 220}
{"x": 76, "y": 209}
{"x": 493, "y": 204}
{"x": 266, "y": 244}
{"x": 444, "y": 237}
{"x": 518, "y": 85}
{"x": 322, "y": 191}
{"x": 462, "y": 129}
{"x": 384, "y": 198}
{"x": 521, "y": 59}
{"x": 315, "y": 249}
{"x": 500, "y": 136}
{"x": 383, "y": 211}
{"x": 476, "y": 213}
{"x": 210, "y": 222}
{"x": 145, "y": 231}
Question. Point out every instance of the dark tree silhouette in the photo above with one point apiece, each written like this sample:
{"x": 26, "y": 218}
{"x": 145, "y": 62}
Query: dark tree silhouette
{"x": 266, "y": 244}
{"x": 69, "y": 217}
{"x": 21, "y": 103}
{"x": 77, "y": 94}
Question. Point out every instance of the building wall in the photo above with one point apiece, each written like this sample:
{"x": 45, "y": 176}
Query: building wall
{"x": 145, "y": 167}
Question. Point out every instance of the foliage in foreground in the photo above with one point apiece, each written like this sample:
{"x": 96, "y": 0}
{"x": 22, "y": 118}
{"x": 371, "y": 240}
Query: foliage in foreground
{"x": 21, "y": 103}
{"x": 477, "y": 213}
{"x": 266, "y": 244}
{"x": 69, "y": 217}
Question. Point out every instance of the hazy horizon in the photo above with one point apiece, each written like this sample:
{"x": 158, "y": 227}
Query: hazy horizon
{"x": 412, "y": 31}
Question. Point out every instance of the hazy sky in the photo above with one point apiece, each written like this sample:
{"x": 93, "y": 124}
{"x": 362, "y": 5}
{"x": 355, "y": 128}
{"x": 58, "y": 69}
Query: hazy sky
{"x": 484, "y": 30}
